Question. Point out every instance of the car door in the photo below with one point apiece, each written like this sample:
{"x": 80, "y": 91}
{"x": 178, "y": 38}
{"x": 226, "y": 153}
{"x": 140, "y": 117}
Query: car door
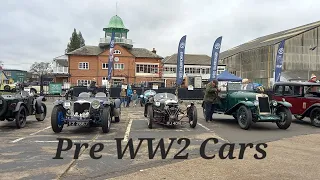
{"x": 294, "y": 95}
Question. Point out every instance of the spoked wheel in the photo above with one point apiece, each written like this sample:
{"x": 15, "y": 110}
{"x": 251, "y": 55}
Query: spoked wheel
{"x": 193, "y": 116}
{"x": 315, "y": 117}
{"x": 57, "y": 119}
{"x": 286, "y": 118}
{"x": 21, "y": 117}
{"x": 244, "y": 117}
{"x": 42, "y": 116}
{"x": 150, "y": 116}
{"x": 106, "y": 120}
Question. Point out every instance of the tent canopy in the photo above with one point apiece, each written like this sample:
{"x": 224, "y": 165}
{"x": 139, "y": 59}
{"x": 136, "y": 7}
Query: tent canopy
{"x": 226, "y": 76}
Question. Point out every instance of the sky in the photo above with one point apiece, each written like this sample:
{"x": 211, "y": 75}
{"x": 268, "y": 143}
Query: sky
{"x": 39, "y": 30}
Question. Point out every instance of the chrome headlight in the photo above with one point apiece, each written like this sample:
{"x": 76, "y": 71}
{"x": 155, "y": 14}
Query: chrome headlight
{"x": 67, "y": 104}
{"x": 274, "y": 103}
{"x": 256, "y": 103}
{"x": 95, "y": 104}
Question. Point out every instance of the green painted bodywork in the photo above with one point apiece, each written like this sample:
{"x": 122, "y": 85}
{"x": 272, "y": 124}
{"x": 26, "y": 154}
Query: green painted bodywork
{"x": 284, "y": 103}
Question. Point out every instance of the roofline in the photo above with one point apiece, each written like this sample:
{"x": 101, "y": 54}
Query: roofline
{"x": 296, "y": 83}
{"x": 14, "y": 70}
{"x": 272, "y": 44}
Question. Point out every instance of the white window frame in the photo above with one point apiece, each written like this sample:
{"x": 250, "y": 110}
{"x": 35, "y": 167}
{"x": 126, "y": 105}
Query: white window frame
{"x": 83, "y": 63}
{"x": 147, "y": 64}
{"x": 87, "y": 82}
{"x": 106, "y": 66}
{"x": 115, "y": 66}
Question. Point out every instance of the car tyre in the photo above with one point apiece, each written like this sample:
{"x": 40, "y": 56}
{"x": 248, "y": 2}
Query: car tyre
{"x": 6, "y": 88}
{"x": 244, "y": 117}
{"x": 286, "y": 116}
{"x": 43, "y": 115}
{"x": 315, "y": 117}
{"x": 193, "y": 117}
{"x": 57, "y": 116}
{"x": 150, "y": 116}
{"x": 21, "y": 117}
{"x": 3, "y": 106}
{"x": 106, "y": 120}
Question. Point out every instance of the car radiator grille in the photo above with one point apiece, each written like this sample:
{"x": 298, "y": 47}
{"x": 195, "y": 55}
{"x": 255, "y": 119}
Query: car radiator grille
{"x": 80, "y": 108}
{"x": 264, "y": 104}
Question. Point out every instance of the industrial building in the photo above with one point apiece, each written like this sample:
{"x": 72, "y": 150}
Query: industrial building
{"x": 255, "y": 60}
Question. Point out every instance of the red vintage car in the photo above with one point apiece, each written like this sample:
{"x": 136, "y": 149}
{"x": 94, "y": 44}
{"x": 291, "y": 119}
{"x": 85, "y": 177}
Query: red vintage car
{"x": 304, "y": 97}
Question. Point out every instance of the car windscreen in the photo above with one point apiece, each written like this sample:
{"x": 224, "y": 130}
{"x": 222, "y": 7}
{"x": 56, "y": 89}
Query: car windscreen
{"x": 149, "y": 92}
{"x": 161, "y": 96}
{"x": 312, "y": 90}
{"x": 240, "y": 87}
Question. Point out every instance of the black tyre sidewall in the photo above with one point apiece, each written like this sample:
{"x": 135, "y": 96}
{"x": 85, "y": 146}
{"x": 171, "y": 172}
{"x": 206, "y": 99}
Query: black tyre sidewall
{"x": 17, "y": 118}
{"x": 105, "y": 118}
{"x": 45, "y": 112}
{"x": 54, "y": 118}
{"x": 194, "y": 116}
{"x": 312, "y": 118}
{"x": 288, "y": 120}
{"x": 150, "y": 116}
{"x": 248, "y": 119}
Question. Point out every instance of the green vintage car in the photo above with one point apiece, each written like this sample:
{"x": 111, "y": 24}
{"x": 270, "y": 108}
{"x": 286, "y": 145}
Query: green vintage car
{"x": 249, "y": 106}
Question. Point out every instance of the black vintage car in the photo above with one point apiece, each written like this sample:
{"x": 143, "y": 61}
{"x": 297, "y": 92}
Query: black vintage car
{"x": 164, "y": 108}
{"x": 18, "y": 106}
{"x": 89, "y": 109}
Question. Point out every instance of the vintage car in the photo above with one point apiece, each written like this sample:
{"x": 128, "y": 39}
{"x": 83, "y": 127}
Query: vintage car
{"x": 145, "y": 96}
{"x": 304, "y": 97}
{"x": 86, "y": 110}
{"x": 163, "y": 108}
{"x": 17, "y": 106}
{"x": 249, "y": 106}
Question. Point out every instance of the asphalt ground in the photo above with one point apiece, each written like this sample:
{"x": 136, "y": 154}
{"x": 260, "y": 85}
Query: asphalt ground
{"x": 28, "y": 153}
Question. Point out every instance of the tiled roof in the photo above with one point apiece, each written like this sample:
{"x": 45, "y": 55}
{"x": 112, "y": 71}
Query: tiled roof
{"x": 269, "y": 39}
{"x": 96, "y": 50}
{"x": 189, "y": 59}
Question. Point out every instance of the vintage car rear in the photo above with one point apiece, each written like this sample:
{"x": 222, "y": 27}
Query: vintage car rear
{"x": 167, "y": 108}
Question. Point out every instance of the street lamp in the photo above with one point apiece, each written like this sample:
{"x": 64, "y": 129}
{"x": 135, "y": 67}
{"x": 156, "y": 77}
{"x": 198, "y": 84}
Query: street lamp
{"x": 311, "y": 49}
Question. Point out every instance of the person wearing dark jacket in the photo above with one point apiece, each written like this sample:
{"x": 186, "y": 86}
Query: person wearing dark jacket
{"x": 211, "y": 98}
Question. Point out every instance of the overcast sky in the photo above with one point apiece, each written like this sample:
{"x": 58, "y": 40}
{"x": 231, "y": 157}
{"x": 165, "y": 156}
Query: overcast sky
{"x": 39, "y": 30}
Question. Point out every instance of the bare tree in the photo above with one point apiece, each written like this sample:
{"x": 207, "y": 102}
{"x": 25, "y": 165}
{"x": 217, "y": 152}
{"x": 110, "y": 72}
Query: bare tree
{"x": 42, "y": 68}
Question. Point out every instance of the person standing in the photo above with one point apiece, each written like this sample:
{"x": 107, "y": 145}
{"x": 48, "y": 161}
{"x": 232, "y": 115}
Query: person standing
{"x": 129, "y": 95}
{"x": 123, "y": 95}
{"x": 211, "y": 99}
{"x": 134, "y": 98}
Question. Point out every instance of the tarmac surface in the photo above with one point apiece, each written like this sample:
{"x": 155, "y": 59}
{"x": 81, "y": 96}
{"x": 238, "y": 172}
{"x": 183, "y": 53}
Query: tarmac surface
{"x": 28, "y": 153}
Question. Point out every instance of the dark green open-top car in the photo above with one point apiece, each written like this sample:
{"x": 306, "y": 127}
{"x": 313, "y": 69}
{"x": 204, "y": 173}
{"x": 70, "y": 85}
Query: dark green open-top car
{"x": 249, "y": 106}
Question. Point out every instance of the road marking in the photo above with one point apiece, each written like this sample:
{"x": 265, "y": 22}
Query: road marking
{"x": 204, "y": 127}
{"x": 126, "y": 135}
{"x": 39, "y": 131}
{"x": 17, "y": 140}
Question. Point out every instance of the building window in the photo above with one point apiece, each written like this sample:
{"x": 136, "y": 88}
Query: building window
{"x": 119, "y": 66}
{"x": 147, "y": 68}
{"x": 83, "y": 65}
{"x": 83, "y": 82}
{"x": 104, "y": 65}
{"x": 170, "y": 70}
{"x": 116, "y": 52}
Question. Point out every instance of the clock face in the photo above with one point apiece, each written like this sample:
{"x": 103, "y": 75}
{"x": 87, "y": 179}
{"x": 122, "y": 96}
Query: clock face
{"x": 116, "y": 59}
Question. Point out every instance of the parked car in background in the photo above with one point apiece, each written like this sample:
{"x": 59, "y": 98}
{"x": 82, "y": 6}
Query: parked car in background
{"x": 304, "y": 97}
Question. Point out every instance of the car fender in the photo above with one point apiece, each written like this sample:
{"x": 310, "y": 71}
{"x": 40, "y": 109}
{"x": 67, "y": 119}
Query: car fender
{"x": 116, "y": 112}
{"x": 236, "y": 107}
{"x": 307, "y": 112}
{"x": 284, "y": 103}
{"x": 37, "y": 104}
{"x": 19, "y": 104}
{"x": 117, "y": 103}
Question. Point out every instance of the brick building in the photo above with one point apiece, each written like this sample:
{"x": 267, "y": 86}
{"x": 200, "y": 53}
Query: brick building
{"x": 131, "y": 65}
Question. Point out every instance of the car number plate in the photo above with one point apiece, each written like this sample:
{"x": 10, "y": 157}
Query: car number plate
{"x": 77, "y": 123}
{"x": 0, "y": 101}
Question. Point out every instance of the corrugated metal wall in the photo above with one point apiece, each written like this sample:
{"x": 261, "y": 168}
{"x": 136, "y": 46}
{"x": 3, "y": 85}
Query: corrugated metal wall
{"x": 254, "y": 64}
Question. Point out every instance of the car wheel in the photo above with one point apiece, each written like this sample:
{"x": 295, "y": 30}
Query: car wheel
{"x": 105, "y": 120}
{"x": 315, "y": 117}
{"x": 42, "y": 116}
{"x": 286, "y": 117}
{"x": 33, "y": 91}
{"x": 150, "y": 117}
{"x": 21, "y": 117}
{"x": 117, "y": 119}
{"x": 57, "y": 119}
{"x": 298, "y": 117}
{"x": 3, "y": 106}
{"x": 244, "y": 117}
{"x": 7, "y": 88}
{"x": 193, "y": 117}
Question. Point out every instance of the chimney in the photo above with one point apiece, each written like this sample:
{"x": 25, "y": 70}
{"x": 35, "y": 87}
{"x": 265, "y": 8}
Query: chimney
{"x": 154, "y": 51}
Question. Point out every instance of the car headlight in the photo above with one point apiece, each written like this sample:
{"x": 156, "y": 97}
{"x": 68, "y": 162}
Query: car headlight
{"x": 67, "y": 104}
{"x": 95, "y": 104}
{"x": 274, "y": 103}
{"x": 256, "y": 103}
